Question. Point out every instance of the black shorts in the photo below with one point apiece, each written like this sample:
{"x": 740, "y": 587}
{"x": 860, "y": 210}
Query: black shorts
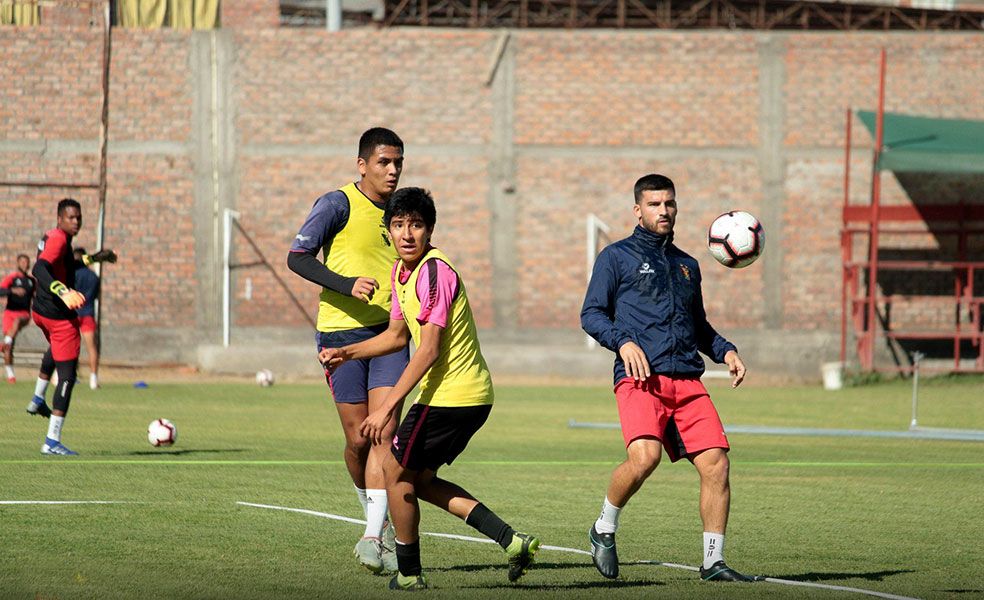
{"x": 431, "y": 436}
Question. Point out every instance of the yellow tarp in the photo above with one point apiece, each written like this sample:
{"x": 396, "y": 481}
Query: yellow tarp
{"x": 179, "y": 14}
{"x": 19, "y": 13}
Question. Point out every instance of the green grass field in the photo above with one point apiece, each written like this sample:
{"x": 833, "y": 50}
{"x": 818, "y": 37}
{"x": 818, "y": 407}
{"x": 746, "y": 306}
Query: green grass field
{"x": 893, "y": 516}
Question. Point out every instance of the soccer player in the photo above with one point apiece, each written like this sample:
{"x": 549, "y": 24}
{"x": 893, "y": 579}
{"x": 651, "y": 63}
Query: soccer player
{"x": 430, "y": 305}
{"x": 18, "y": 286}
{"x": 346, "y": 225}
{"x": 644, "y": 303}
{"x": 54, "y": 313}
{"x": 87, "y": 284}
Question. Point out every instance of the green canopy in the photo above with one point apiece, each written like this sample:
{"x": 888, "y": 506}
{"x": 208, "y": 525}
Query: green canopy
{"x": 927, "y": 144}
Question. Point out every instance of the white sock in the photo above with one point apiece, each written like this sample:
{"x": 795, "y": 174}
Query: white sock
{"x": 361, "y": 493}
{"x": 40, "y": 387}
{"x": 608, "y": 521}
{"x": 8, "y": 340}
{"x": 10, "y": 371}
{"x": 375, "y": 512}
{"x": 93, "y": 381}
{"x": 55, "y": 427}
{"x": 713, "y": 548}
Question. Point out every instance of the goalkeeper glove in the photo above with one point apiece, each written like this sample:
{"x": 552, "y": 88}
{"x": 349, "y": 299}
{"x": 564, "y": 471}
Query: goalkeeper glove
{"x": 100, "y": 256}
{"x": 70, "y": 297}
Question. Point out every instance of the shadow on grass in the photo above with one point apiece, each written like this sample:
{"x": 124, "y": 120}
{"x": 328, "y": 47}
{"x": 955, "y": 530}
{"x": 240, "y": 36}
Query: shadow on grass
{"x": 539, "y": 566}
{"x": 872, "y": 576}
{"x": 188, "y": 451}
{"x": 962, "y": 591}
{"x": 606, "y": 584}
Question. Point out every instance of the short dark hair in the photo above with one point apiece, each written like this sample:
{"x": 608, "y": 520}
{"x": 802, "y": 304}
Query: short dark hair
{"x": 409, "y": 201}
{"x": 67, "y": 203}
{"x": 80, "y": 251}
{"x": 652, "y": 183}
{"x": 375, "y": 137}
{"x": 20, "y": 256}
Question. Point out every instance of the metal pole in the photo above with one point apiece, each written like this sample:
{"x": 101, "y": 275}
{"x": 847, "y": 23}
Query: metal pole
{"x": 333, "y": 15}
{"x": 916, "y": 357}
{"x": 227, "y": 218}
{"x": 846, "y": 239}
{"x": 103, "y": 151}
{"x": 875, "y": 214}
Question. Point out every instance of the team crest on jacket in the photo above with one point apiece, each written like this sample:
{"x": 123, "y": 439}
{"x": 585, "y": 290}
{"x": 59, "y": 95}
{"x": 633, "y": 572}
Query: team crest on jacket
{"x": 686, "y": 271}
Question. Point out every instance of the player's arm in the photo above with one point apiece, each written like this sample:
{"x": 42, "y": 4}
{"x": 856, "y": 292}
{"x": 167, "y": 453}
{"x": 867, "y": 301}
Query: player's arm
{"x": 45, "y": 277}
{"x": 712, "y": 343}
{"x": 598, "y": 316}
{"x": 395, "y": 337}
{"x": 6, "y": 285}
{"x": 327, "y": 217}
{"x": 422, "y": 360}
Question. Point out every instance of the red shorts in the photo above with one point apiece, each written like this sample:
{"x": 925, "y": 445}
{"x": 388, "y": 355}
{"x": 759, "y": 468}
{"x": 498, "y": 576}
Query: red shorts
{"x": 12, "y": 316}
{"x": 62, "y": 334}
{"x": 677, "y": 412}
{"x": 87, "y": 324}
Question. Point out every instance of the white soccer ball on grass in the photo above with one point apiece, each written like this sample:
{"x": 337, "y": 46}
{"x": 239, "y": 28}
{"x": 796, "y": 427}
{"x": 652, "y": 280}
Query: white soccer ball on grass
{"x": 161, "y": 432}
{"x": 264, "y": 378}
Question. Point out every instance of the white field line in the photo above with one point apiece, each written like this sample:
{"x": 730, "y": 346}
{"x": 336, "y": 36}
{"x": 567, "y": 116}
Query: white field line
{"x": 61, "y": 502}
{"x": 823, "y": 586}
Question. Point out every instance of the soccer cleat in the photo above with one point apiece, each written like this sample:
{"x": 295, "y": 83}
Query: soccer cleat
{"x": 368, "y": 551}
{"x": 603, "y": 552}
{"x": 37, "y": 406}
{"x": 387, "y": 552}
{"x": 408, "y": 583}
{"x": 11, "y": 379}
{"x": 54, "y": 447}
{"x": 722, "y": 572}
{"x": 520, "y": 552}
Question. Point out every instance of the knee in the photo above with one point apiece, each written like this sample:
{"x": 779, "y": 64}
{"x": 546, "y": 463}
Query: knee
{"x": 645, "y": 461}
{"x": 358, "y": 445}
{"x": 716, "y": 470}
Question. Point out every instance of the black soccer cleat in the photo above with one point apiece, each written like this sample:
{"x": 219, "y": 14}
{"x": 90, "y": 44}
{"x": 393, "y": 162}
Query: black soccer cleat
{"x": 722, "y": 572}
{"x": 603, "y": 553}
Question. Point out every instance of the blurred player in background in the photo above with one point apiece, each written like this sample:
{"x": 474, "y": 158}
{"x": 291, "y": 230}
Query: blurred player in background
{"x": 431, "y": 306}
{"x": 18, "y": 287}
{"x": 644, "y": 303}
{"x": 54, "y": 313}
{"x": 346, "y": 226}
{"x": 87, "y": 284}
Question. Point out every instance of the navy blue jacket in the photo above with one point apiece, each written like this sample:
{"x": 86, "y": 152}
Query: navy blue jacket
{"x": 646, "y": 290}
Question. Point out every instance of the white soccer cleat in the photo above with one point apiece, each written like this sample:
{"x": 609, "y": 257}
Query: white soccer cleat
{"x": 368, "y": 550}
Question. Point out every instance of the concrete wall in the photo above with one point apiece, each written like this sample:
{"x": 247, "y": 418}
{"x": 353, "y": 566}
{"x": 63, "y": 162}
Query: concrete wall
{"x": 516, "y": 146}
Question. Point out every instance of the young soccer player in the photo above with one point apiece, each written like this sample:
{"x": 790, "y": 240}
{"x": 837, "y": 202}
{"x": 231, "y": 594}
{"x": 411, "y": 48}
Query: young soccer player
{"x": 18, "y": 286}
{"x": 430, "y": 305}
{"x": 54, "y": 314}
{"x": 346, "y": 226}
{"x": 644, "y": 303}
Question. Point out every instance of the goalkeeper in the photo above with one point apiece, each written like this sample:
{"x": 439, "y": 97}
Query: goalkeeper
{"x": 54, "y": 313}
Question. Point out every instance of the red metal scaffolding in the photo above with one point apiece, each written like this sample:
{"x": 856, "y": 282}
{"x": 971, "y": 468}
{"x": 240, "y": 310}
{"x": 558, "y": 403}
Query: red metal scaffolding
{"x": 863, "y": 307}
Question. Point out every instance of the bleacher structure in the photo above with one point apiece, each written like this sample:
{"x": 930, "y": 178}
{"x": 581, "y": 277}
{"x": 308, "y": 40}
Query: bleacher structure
{"x": 920, "y": 286}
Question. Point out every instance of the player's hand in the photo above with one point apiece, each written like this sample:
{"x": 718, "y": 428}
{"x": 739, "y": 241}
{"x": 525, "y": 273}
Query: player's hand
{"x": 72, "y": 299}
{"x": 736, "y": 367}
{"x": 374, "y": 424}
{"x": 104, "y": 255}
{"x": 636, "y": 363}
{"x": 331, "y": 358}
{"x": 364, "y": 288}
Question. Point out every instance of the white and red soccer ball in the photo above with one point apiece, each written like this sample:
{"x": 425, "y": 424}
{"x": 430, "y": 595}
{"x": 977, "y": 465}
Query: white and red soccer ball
{"x": 736, "y": 239}
{"x": 161, "y": 432}
{"x": 264, "y": 378}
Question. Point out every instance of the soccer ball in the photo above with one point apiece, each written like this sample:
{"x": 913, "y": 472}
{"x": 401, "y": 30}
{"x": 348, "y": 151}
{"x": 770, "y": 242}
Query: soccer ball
{"x": 736, "y": 239}
{"x": 264, "y": 377}
{"x": 161, "y": 432}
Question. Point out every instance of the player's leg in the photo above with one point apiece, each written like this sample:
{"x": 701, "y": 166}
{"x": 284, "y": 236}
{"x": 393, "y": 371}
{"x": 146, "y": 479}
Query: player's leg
{"x": 643, "y": 418}
{"x": 88, "y": 330}
{"x": 700, "y": 437}
{"x": 65, "y": 345}
{"x": 11, "y": 329}
{"x": 405, "y": 511}
{"x": 37, "y": 405}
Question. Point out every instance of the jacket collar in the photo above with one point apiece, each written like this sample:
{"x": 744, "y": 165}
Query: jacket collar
{"x": 650, "y": 239}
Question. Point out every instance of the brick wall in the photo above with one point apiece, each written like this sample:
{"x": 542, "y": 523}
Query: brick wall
{"x": 585, "y": 113}
{"x": 249, "y": 14}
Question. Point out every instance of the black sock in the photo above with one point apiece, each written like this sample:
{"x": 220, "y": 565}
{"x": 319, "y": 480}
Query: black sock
{"x": 408, "y": 558}
{"x": 489, "y": 523}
